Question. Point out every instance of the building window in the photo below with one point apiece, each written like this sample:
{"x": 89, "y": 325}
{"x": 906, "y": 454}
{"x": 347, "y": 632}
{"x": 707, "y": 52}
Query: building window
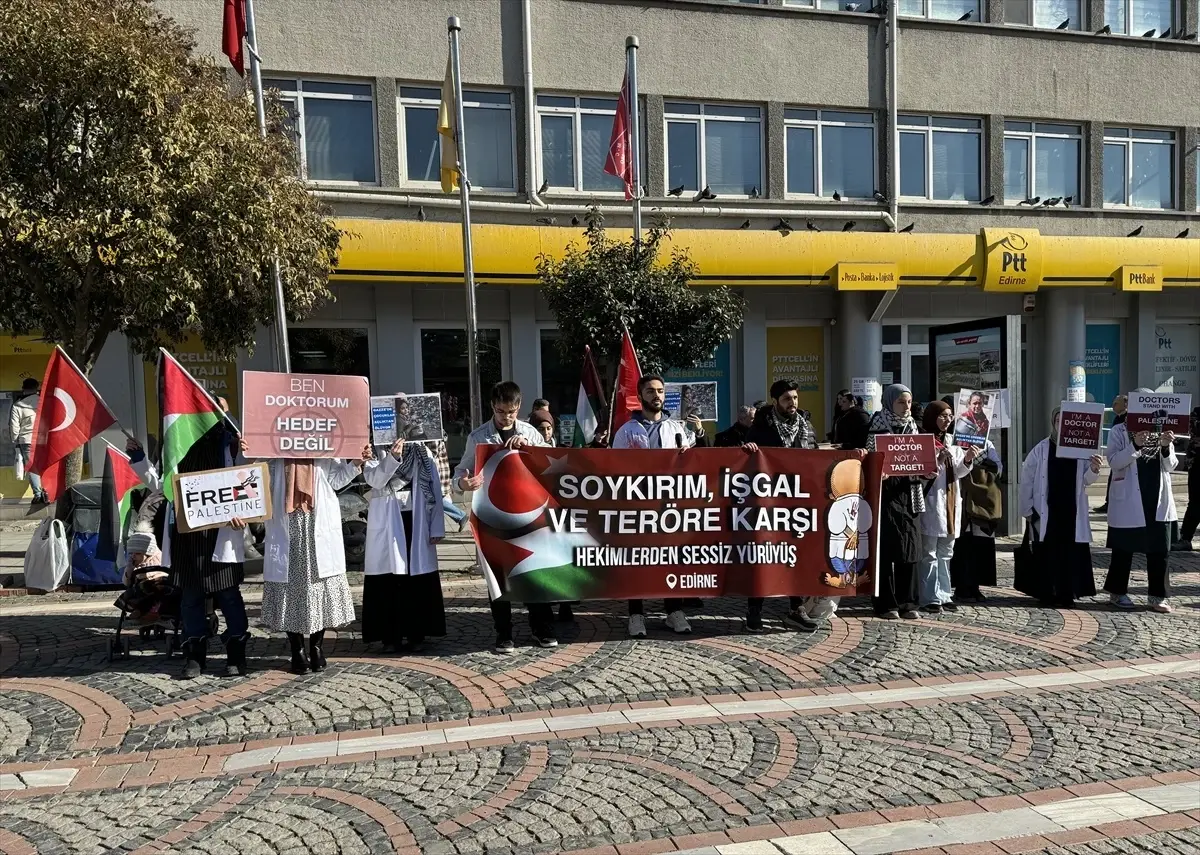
{"x": 333, "y": 125}
{"x": 836, "y": 5}
{"x": 575, "y": 133}
{"x": 1041, "y": 160}
{"x": 940, "y": 158}
{"x": 1148, "y": 18}
{"x": 830, "y": 151}
{"x": 488, "y": 123}
{"x": 718, "y": 146}
{"x": 942, "y": 10}
{"x": 1050, "y": 14}
{"x": 1139, "y": 168}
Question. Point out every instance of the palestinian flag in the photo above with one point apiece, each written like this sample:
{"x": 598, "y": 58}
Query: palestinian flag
{"x": 189, "y": 415}
{"x": 588, "y": 404}
{"x": 116, "y": 503}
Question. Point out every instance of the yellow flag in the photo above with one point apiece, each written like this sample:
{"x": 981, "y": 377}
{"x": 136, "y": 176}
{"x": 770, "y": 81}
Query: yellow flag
{"x": 447, "y": 128}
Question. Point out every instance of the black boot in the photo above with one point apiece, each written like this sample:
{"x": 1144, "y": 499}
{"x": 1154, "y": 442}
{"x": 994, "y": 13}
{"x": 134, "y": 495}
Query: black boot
{"x": 235, "y": 656}
{"x": 194, "y": 651}
{"x": 299, "y": 660}
{"x": 316, "y": 656}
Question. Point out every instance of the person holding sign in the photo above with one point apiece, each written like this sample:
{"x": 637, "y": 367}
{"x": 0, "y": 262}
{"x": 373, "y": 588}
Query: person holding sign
{"x": 1141, "y": 508}
{"x": 901, "y": 502}
{"x": 304, "y": 564}
{"x": 941, "y": 521}
{"x": 402, "y": 590}
{"x": 1053, "y": 502}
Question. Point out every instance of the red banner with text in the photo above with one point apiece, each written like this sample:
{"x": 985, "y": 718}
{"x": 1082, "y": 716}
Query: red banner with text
{"x": 556, "y": 524}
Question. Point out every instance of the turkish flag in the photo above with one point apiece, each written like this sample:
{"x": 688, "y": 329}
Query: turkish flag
{"x": 620, "y": 144}
{"x": 625, "y": 399}
{"x": 233, "y": 31}
{"x": 69, "y": 414}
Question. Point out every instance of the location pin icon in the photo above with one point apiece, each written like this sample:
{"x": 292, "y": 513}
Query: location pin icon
{"x": 672, "y": 580}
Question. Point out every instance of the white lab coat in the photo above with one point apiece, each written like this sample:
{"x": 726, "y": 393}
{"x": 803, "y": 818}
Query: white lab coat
{"x": 329, "y": 476}
{"x": 934, "y": 522}
{"x": 231, "y": 543}
{"x": 386, "y": 551}
{"x": 1035, "y": 490}
{"x": 1125, "y": 493}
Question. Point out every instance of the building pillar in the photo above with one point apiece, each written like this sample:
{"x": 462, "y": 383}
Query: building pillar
{"x": 776, "y": 171}
{"x": 396, "y": 357}
{"x": 859, "y": 341}
{"x": 1065, "y": 341}
{"x": 995, "y": 157}
{"x": 388, "y": 132}
{"x": 654, "y": 156}
{"x": 1141, "y": 342}
{"x": 525, "y": 344}
{"x": 1092, "y": 189}
{"x": 754, "y": 349}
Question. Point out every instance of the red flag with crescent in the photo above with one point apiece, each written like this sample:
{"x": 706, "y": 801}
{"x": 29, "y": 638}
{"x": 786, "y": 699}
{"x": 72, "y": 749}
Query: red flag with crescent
{"x": 69, "y": 413}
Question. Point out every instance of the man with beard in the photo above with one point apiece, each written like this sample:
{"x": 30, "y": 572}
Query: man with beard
{"x": 652, "y": 427}
{"x": 780, "y": 425}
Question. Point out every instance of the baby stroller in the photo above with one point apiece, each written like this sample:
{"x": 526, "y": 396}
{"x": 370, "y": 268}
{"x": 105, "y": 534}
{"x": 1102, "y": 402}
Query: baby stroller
{"x": 152, "y": 600}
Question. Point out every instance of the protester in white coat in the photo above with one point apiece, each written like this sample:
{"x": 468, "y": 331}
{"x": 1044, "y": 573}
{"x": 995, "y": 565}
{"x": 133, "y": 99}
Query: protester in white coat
{"x": 304, "y": 565}
{"x": 942, "y": 519}
{"x": 1141, "y": 508}
{"x": 1053, "y": 502}
{"x": 402, "y": 590}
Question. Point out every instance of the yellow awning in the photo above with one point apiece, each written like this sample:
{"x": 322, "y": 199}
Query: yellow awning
{"x": 996, "y": 259}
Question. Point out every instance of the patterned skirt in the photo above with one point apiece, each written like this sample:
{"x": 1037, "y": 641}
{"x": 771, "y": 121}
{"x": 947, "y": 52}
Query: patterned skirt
{"x": 306, "y": 603}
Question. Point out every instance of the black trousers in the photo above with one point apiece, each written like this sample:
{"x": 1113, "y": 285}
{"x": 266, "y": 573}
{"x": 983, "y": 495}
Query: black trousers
{"x": 541, "y": 619}
{"x": 1191, "y": 519}
{"x": 897, "y": 586}
{"x": 670, "y": 604}
{"x": 754, "y": 605}
{"x": 1117, "y": 580}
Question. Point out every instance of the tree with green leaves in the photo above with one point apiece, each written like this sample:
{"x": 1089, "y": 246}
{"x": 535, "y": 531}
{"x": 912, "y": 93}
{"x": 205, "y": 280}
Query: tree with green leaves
{"x": 596, "y": 288}
{"x": 136, "y": 195}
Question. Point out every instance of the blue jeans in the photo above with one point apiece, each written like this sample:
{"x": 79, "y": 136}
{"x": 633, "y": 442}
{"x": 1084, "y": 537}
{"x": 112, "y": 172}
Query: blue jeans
{"x": 933, "y": 570}
{"x": 195, "y": 619}
{"x": 452, "y": 510}
{"x": 35, "y": 481}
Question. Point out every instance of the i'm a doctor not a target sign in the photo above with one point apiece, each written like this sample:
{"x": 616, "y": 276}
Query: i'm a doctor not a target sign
{"x": 305, "y": 415}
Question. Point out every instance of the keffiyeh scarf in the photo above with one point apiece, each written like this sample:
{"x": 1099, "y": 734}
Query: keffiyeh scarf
{"x": 418, "y": 468}
{"x": 787, "y": 427}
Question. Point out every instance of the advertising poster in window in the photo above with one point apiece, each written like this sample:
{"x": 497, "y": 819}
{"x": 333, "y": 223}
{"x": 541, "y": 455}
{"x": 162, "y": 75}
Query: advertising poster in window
{"x": 1102, "y": 363}
{"x": 712, "y": 370}
{"x": 1175, "y": 358}
{"x": 968, "y": 360}
{"x": 798, "y": 353}
{"x": 219, "y": 377}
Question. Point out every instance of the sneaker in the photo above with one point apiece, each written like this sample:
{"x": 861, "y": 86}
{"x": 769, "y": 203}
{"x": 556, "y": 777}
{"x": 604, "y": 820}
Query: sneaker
{"x": 1160, "y": 605}
{"x": 932, "y": 608}
{"x": 890, "y": 614}
{"x": 637, "y": 626}
{"x": 677, "y": 622}
{"x": 752, "y": 626}
{"x": 505, "y": 646}
{"x": 800, "y": 622}
{"x": 462, "y": 524}
{"x": 949, "y": 607}
{"x": 910, "y": 614}
{"x": 1121, "y": 601}
{"x": 545, "y": 641}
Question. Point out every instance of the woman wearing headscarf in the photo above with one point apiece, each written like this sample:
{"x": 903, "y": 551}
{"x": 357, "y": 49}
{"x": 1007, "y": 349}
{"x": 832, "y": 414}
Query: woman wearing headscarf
{"x": 1141, "y": 508}
{"x": 902, "y": 499}
{"x": 304, "y": 565}
{"x": 402, "y": 590}
{"x": 942, "y": 519}
{"x": 1054, "y": 505}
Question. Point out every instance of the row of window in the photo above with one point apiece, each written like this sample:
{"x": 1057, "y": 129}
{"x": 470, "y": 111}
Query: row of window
{"x": 1149, "y": 18}
{"x": 722, "y": 147}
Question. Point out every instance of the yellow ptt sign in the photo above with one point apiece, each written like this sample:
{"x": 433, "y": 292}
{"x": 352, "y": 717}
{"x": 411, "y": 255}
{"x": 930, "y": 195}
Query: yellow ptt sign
{"x": 1013, "y": 260}
{"x": 1141, "y": 277}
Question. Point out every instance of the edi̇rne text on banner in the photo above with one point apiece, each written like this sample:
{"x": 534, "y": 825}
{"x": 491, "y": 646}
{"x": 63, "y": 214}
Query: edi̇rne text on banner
{"x": 305, "y": 415}
{"x": 557, "y": 524}
{"x": 1159, "y": 412}
{"x": 1080, "y": 427}
{"x": 212, "y": 498}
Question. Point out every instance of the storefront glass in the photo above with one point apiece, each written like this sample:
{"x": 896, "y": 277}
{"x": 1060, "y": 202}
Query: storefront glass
{"x": 1177, "y": 347}
{"x": 444, "y": 370}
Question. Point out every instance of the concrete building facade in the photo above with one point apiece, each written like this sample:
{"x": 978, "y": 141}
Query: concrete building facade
{"x": 784, "y": 110}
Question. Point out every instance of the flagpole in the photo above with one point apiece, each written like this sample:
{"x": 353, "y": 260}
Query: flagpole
{"x": 631, "y": 48}
{"x": 282, "y": 359}
{"x": 464, "y": 194}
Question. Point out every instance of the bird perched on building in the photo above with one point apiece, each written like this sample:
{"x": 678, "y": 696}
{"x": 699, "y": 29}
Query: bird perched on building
{"x": 811, "y": 226}
{"x": 545, "y": 186}
{"x": 908, "y": 228}
{"x": 704, "y": 195}
{"x": 849, "y": 226}
{"x": 676, "y": 191}
{"x": 547, "y": 221}
{"x": 783, "y": 227}
{"x": 837, "y": 197}
{"x": 745, "y": 225}
{"x": 1135, "y": 232}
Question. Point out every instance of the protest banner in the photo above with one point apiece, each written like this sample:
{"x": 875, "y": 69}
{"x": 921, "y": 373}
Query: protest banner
{"x": 409, "y": 417}
{"x": 907, "y": 454}
{"x": 1080, "y": 427}
{"x": 305, "y": 415}
{"x": 555, "y": 524}
{"x": 683, "y": 399}
{"x": 212, "y": 498}
{"x": 1159, "y": 412}
{"x": 973, "y": 418}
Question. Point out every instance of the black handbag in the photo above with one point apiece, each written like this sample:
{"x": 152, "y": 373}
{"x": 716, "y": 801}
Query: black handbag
{"x": 1024, "y": 567}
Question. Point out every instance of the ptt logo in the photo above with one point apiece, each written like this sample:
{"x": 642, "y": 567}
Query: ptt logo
{"x": 1013, "y": 257}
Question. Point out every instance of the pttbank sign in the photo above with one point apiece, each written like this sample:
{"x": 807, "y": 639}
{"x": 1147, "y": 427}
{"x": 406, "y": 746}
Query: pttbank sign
{"x": 1014, "y": 260}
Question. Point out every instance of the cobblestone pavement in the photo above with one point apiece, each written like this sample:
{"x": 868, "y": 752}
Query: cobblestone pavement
{"x": 1002, "y": 728}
